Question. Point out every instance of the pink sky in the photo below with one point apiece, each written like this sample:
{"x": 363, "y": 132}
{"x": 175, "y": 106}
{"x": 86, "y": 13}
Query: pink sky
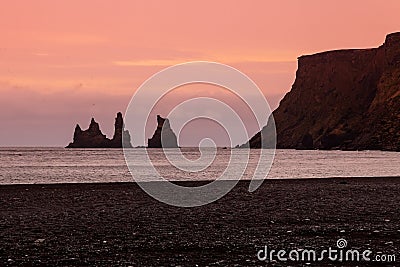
{"x": 62, "y": 62}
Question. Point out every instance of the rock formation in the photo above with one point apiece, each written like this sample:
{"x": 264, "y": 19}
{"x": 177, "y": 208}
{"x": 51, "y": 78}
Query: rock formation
{"x": 344, "y": 99}
{"x": 94, "y": 138}
{"x": 121, "y": 136}
{"x": 163, "y": 136}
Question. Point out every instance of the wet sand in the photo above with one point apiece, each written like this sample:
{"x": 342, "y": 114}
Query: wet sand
{"x": 120, "y": 225}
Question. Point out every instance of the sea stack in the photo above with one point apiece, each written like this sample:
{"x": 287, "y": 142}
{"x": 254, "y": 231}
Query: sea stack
{"x": 121, "y": 136}
{"x": 94, "y": 138}
{"x": 163, "y": 137}
{"x": 344, "y": 99}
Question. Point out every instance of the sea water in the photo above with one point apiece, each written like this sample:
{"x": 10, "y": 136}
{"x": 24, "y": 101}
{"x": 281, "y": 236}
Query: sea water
{"x": 60, "y": 165}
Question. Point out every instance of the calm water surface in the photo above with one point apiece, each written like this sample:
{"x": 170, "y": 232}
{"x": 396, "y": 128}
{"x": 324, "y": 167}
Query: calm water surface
{"x": 59, "y": 165}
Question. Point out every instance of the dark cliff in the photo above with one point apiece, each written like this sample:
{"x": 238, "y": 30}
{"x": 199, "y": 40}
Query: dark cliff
{"x": 344, "y": 99}
{"x": 94, "y": 138}
{"x": 163, "y": 135}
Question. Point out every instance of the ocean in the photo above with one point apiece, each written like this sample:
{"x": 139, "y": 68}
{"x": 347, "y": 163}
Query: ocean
{"x": 59, "y": 165}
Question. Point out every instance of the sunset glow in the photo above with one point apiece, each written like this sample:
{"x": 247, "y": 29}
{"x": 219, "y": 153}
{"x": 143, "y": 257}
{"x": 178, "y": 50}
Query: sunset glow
{"x": 64, "y": 62}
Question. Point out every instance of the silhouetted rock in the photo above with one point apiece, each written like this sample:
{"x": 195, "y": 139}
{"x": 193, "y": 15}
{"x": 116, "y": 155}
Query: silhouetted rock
{"x": 120, "y": 135}
{"x": 307, "y": 142}
{"x": 163, "y": 136}
{"x": 344, "y": 99}
{"x": 94, "y": 138}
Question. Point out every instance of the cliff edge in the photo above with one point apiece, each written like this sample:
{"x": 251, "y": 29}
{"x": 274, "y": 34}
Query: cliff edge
{"x": 343, "y": 99}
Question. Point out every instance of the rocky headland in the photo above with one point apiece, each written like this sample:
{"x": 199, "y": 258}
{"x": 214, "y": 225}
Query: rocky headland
{"x": 343, "y": 99}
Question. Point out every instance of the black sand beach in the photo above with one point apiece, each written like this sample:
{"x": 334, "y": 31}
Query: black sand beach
{"x": 120, "y": 225}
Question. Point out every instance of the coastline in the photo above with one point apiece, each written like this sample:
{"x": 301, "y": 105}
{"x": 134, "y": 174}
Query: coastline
{"x": 193, "y": 183}
{"x": 111, "y": 224}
